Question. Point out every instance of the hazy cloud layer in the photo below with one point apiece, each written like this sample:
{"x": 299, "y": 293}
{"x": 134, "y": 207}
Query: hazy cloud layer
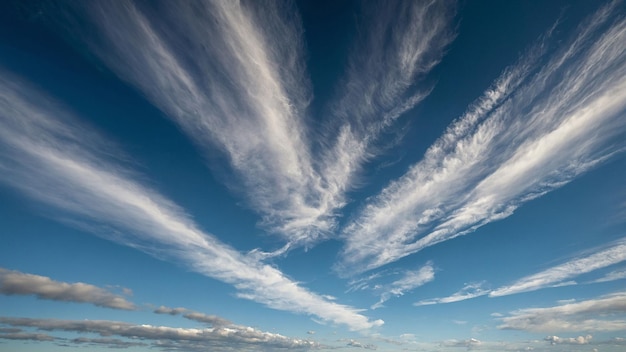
{"x": 17, "y": 283}
{"x": 163, "y": 336}
{"x": 50, "y": 156}
{"x": 602, "y": 314}
{"x": 536, "y": 129}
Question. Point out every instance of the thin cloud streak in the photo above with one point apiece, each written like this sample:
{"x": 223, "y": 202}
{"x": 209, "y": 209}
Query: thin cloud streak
{"x": 17, "y": 283}
{"x": 193, "y": 315}
{"x": 616, "y": 253}
{"x": 590, "y": 315}
{"x": 538, "y": 128}
{"x": 469, "y": 291}
{"x": 68, "y": 168}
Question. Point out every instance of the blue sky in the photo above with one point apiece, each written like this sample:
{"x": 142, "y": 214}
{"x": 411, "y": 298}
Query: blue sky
{"x": 316, "y": 175}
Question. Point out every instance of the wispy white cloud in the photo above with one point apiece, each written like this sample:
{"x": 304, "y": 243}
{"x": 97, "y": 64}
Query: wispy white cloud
{"x": 612, "y": 276}
{"x": 545, "y": 121}
{"x": 53, "y": 158}
{"x": 409, "y": 281}
{"x": 18, "y": 283}
{"x": 584, "y": 316}
{"x": 217, "y": 338}
{"x": 469, "y": 291}
{"x": 615, "y": 253}
{"x": 217, "y": 69}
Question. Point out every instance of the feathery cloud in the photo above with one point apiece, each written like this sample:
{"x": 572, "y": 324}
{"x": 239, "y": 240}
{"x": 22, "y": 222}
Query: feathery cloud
{"x": 17, "y": 283}
{"x": 615, "y": 253}
{"x": 51, "y": 157}
{"x": 409, "y": 281}
{"x": 539, "y": 126}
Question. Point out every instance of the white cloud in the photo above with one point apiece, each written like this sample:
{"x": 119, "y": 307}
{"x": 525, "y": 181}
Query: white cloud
{"x": 536, "y": 129}
{"x": 580, "y": 340}
{"x": 612, "y": 276}
{"x": 354, "y": 343}
{"x": 225, "y": 78}
{"x": 216, "y": 338}
{"x": 613, "y": 254}
{"x": 51, "y": 157}
{"x": 584, "y": 316}
{"x": 409, "y": 281}
{"x": 17, "y": 283}
{"x": 469, "y": 291}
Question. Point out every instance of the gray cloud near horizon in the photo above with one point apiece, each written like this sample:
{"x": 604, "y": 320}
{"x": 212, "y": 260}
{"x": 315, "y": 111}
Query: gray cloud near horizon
{"x": 18, "y": 283}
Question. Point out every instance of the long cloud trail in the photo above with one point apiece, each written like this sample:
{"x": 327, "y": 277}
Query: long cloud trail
{"x": 218, "y": 69}
{"x": 45, "y": 153}
{"x": 400, "y": 44}
{"x": 536, "y": 129}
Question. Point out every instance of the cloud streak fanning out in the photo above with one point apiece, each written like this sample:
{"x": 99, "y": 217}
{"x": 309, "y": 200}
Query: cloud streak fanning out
{"x": 545, "y": 121}
{"x": 50, "y": 156}
{"x": 17, "y": 283}
{"x": 215, "y": 68}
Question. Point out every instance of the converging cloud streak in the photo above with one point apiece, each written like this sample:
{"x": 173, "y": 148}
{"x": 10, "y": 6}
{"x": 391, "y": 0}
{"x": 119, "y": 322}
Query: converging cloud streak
{"x": 17, "y": 283}
{"x": 614, "y": 254}
{"x": 216, "y": 69}
{"x": 536, "y": 129}
{"x": 48, "y": 155}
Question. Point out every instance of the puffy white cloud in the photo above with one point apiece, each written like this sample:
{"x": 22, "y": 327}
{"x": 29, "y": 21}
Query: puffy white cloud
{"x": 354, "y": 343}
{"x": 580, "y": 340}
{"x": 18, "y": 283}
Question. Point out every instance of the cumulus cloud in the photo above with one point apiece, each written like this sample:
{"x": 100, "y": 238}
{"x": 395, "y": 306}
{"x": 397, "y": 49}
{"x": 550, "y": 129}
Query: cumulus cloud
{"x": 469, "y": 343}
{"x": 50, "y": 156}
{"x": 599, "y": 258}
{"x": 548, "y": 119}
{"x": 354, "y": 343}
{"x": 580, "y": 340}
{"x": 193, "y": 315}
{"x": 17, "y": 283}
{"x": 584, "y": 316}
{"x": 216, "y": 338}
{"x": 469, "y": 291}
{"x": 409, "y": 281}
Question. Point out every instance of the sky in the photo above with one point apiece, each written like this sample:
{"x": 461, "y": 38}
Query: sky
{"x": 313, "y": 175}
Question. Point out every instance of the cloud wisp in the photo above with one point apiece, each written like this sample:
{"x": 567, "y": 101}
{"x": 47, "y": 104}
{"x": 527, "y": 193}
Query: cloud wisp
{"x": 18, "y": 283}
{"x": 216, "y": 338}
{"x": 50, "y": 156}
{"x": 468, "y": 291}
{"x": 600, "y": 258}
{"x": 410, "y": 280}
{"x": 546, "y": 120}
{"x": 585, "y": 316}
